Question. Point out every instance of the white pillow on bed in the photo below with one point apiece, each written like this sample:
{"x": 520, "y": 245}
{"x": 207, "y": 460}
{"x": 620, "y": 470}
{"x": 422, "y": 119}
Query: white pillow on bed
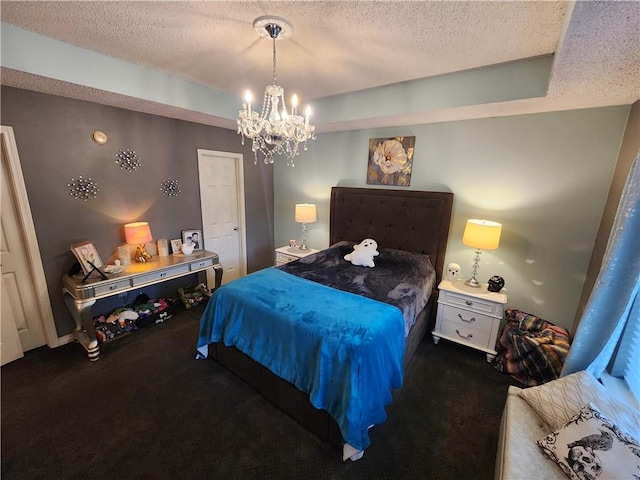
{"x": 590, "y": 445}
{"x": 559, "y": 400}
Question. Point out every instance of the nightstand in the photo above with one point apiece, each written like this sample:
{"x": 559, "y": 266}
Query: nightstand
{"x": 469, "y": 316}
{"x": 289, "y": 254}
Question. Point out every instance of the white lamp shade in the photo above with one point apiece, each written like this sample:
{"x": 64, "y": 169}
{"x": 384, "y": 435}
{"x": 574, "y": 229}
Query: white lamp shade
{"x": 482, "y": 234}
{"x": 137, "y": 233}
{"x": 306, "y": 213}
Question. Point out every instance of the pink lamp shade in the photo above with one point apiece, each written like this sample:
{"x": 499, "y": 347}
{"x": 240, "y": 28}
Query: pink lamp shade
{"x": 137, "y": 233}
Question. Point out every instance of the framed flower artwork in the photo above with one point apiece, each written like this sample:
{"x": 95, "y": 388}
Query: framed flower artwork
{"x": 390, "y": 161}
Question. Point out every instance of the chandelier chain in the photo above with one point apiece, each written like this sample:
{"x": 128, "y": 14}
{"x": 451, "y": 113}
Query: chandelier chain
{"x": 274, "y": 61}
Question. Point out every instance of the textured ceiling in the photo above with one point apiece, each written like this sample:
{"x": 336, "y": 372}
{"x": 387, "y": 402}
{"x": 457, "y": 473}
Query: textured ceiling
{"x": 345, "y": 46}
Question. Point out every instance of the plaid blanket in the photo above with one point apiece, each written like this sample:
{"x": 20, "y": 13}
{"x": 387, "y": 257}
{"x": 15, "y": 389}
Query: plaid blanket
{"x": 530, "y": 349}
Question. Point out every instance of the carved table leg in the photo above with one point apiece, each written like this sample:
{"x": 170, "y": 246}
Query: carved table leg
{"x": 490, "y": 357}
{"x": 84, "y": 332}
{"x": 436, "y": 339}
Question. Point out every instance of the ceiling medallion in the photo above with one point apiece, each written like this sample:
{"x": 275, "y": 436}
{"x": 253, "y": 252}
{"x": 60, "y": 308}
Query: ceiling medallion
{"x": 273, "y": 131}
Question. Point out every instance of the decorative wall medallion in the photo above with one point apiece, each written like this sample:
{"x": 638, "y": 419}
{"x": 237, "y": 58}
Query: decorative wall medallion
{"x": 99, "y": 137}
{"x": 128, "y": 160}
{"x": 83, "y": 189}
{"x": 170, "y": 187}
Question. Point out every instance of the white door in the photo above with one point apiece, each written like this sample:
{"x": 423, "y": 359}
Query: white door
{"x": 222, "y": 202}
{"x": 24, "y": 311}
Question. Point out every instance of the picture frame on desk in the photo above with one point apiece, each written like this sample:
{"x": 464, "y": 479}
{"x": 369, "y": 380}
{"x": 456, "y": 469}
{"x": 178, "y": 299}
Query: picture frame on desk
{"x": 88, "y": 256}
{"x": 194, "y": 237}
{"x": 176, "y": 245}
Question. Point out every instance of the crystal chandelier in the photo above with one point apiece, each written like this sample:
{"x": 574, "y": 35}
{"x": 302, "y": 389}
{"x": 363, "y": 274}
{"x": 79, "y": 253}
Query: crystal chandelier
{"x": 273, "y": 131}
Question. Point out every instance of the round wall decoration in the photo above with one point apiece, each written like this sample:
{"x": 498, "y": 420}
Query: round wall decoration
{"x": 83, "y": 189}
{"x": 99, "y": 137}
{"x": 170, "y": 187}
{"x": 128, "y": 160}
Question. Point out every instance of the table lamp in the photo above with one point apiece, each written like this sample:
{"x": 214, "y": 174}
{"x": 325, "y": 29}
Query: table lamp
{"x": 481, "y": 235}
{"x": 138, "y": 233}
{"x": 305, "y": 213}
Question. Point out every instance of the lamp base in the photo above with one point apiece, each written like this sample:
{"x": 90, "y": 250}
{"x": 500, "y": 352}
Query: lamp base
{"x": 473, "y": 283}
{"x": 141, "y": 254}
{"x": 303, "y": 247}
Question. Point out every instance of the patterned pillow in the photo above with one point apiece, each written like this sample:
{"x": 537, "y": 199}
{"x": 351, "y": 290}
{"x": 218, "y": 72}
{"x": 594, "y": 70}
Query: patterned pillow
{"x": 557, "y": 401}
{"x": 591, "y": 446}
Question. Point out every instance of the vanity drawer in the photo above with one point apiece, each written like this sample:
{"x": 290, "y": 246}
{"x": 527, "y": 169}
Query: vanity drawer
{"x": 476, "y": 304}
{"x": 199, "y": 265}
{"x": 466, "y": 318}
{"x": 463, "y": 334}
{"x": 111, "y": 287}
{"x": 161, "y": 275}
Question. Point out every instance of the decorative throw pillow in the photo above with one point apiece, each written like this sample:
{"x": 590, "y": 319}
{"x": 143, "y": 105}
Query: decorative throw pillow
{"x": 557, "y": 401}
{"x": 363, "y": 253}
{"x": 591, "y": 446}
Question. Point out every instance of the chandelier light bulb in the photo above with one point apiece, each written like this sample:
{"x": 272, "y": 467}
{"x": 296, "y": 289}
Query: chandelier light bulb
{"x": 307, "y": 114}
{"x": 294, "y": 103}
{"x": 248, "y": 97}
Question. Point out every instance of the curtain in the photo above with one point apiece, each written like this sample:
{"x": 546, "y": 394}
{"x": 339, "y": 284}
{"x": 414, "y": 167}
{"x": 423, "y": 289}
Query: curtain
{"x": 611, "y": 304}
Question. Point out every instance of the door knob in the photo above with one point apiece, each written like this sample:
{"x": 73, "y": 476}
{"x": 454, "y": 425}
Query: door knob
{"x": 235, "y": 228}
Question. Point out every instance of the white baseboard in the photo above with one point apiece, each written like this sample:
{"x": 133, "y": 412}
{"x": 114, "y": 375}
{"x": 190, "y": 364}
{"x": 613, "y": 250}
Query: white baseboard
{"x": 65, "y": 339}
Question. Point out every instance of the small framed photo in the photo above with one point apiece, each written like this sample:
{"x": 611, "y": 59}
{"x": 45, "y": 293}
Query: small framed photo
{"x": 176, "y": 245}
{"x": 87, "y": 255}
{"x": 192, "y": 237}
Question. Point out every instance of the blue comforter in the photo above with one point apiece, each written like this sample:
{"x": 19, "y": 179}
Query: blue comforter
{"x": 344, "y": 350}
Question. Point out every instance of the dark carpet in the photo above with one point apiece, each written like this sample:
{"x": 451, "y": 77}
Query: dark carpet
{"x": 148, "y": 410}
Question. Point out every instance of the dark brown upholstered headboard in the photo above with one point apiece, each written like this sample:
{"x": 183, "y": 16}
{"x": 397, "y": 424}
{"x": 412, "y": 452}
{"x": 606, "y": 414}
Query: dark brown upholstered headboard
{"x": 408, "y": 220}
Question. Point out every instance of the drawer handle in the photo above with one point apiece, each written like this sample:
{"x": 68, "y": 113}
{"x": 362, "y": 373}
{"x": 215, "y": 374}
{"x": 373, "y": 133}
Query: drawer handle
{"x": 471, "y": 320}
{"x": 468, "y": 302}
{"x": 163, "y": 274}
{"x": 462, "y": 336}
{"x": 112, "y": 287}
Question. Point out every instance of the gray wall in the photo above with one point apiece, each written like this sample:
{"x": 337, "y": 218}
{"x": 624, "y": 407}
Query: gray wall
{"x": 53, "y": 135}
{"x": 545, "y": 177}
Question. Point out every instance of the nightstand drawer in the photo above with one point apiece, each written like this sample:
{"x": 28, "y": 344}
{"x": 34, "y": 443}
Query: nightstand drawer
{"x": 284, "y": 258}
{"x": 466, "y": 318}
{"x": 465, "y": 301}
{"x": 463, "y": 334}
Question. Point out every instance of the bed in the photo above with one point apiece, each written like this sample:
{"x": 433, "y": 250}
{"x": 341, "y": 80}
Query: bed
{"x": 333, "y": 373}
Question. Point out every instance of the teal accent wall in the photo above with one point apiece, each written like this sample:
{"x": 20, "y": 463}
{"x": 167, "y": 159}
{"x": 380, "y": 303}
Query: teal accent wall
{"x": 545, "y": 177}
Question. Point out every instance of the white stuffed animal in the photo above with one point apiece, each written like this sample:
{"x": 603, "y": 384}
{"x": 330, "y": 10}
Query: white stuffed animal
{"x": 363, "y": 253}
{"x": 453, "y": 272}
